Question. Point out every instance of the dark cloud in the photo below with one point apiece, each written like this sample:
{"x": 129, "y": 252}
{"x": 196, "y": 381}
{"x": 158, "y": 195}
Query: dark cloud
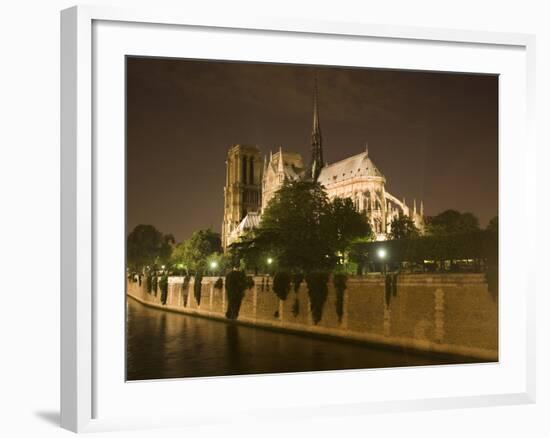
{"x": 433, "y": 135}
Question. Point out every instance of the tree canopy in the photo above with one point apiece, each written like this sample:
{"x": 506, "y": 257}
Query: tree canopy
{"x": 346, "y": 224}
{"x": 195, "y": 253}
{"x": 493, "y": 225}
{"x": 302, "y": 230}
{"x": 403, "y": 227}
{"x": 147, "y": 246}
{"x": 452, "y": 222}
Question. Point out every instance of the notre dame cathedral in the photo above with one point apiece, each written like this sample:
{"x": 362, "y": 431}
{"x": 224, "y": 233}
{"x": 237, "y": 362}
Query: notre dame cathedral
{"x": 250, "y": 185}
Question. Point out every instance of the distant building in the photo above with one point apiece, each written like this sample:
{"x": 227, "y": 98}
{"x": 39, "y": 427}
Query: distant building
{"x": 249, "y": 186}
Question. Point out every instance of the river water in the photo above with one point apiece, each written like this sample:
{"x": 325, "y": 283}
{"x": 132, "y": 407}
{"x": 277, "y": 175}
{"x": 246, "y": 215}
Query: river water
{"x": 163, "y": 344}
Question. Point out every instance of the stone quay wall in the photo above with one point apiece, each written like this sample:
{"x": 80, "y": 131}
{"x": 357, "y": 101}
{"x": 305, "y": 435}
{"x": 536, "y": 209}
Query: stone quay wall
{"x": 444, "y": 313}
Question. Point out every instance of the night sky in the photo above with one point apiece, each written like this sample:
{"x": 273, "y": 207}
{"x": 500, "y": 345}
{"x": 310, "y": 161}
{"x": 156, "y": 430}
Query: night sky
{"x": 434, "y": 136}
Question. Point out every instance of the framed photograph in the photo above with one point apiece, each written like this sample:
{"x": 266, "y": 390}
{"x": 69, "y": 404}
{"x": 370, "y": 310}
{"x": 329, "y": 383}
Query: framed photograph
{"x": 261, "y": 208}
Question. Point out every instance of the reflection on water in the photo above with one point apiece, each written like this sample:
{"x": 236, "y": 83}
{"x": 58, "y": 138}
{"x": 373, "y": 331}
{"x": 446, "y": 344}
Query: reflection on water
{"x": 162, "y": 344}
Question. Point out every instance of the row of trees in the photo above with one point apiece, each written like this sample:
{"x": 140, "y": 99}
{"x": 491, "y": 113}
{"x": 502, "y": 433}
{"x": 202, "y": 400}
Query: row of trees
{"x": 150, "y": 250}
{"x": 446, "y": 223}
{"x": 301, "y": 231}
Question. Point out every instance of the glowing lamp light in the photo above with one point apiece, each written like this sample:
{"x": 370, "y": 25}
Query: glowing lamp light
{"x": 382, "y": 253}
{"x": 162, "y": 267}
{"x": 213, "y": 265}
{"x": 269, "y": 260}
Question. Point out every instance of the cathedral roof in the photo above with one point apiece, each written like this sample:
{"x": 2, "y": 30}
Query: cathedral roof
{"x": 354, "y": 166}
{"x": 250, "y": 221}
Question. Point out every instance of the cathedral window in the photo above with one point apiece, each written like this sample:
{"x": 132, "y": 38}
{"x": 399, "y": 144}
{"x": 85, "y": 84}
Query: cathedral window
{"x": 244, "y": 170}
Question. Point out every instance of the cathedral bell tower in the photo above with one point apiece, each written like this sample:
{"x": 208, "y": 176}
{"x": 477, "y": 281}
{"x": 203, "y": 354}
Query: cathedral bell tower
{"x": 242, "y": 191}
{"x": 317, "y": 161}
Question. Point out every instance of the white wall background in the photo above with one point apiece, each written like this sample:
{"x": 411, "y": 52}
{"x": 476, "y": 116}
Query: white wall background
{"x": 29, "y": 215}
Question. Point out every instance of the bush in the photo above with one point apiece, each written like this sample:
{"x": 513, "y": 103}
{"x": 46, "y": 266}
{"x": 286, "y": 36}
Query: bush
{"x": 249, "y": 282}
{"x": 281, "y": 284}
{"x": 219, "y": 283}
{"x": 149, "y": 283}
{"x": 340, "y": 284}
{"x": 197, "y": 288}
{"x": 235, "y": 285}
{"x": 154, "y": 285}
{"x": 297, "y": 280}
{"x": 317, "y": 291}
{"x": 391, "y": 287}
{"x": 491, "y": 276}
{"x": 163, "y": 285}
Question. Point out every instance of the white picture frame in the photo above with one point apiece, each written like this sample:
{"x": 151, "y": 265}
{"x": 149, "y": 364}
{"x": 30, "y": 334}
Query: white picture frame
{"x": 81, "y": 336}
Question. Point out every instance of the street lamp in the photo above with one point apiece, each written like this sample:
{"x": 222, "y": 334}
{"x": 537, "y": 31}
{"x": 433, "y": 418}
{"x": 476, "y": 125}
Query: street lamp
{"x": 269, "y": 260}
{"x": 213, "y": 265}
{"x": 382, "y": 256}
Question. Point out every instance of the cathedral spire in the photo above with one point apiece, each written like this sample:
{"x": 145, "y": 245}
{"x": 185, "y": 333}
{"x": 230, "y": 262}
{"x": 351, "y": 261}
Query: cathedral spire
{"x": 317, "y": 161}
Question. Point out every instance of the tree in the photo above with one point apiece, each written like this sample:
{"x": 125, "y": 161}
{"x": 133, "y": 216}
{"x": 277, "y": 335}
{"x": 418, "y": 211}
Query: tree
{"x": 452, "y": 222}
{"x": 294, "y": 227}
{"x": 195, "y": 253}
{"x": 493, "y": 225}
{"x": 346, "y": 224}
{"x": 146, "y": 246}
{"x": 177, "y": 259}
{"x": 403, "y": 227}
{"x": 301, "y": 230}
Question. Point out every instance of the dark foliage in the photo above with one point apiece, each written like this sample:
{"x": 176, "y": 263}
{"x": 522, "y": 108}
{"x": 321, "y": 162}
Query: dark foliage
{"x": 403, "y": 227}
{"x": 146, "y": 245}
{"x": 317, "y": 291}
{"x": 235, "y": 285}
{"x": 249, "y": 282}
{"x": 452, "y": 222}
{"x": 301, "y": 229}
{"x": 149, "y": 283}
{"x": 163, "y": 285}
{"x": 340, "y": 284}
{"x": 492, "y": 281}
{"x": 197, "y": 288}
{"x": 154, "y": 284}
{"x": 281, "y": 284}
{"x": 194, "y": 252}
{"x": 186, "y": 280}
{"x": 390, "y": 287}
{"x": 219, "y": 283}
{"x": 473, "y": 245}
{"x": 493, "y": 225}
{"x": 297, "y": 279}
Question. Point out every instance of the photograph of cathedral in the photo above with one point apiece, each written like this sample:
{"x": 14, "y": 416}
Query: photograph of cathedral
{"x": 290, "y": 218}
